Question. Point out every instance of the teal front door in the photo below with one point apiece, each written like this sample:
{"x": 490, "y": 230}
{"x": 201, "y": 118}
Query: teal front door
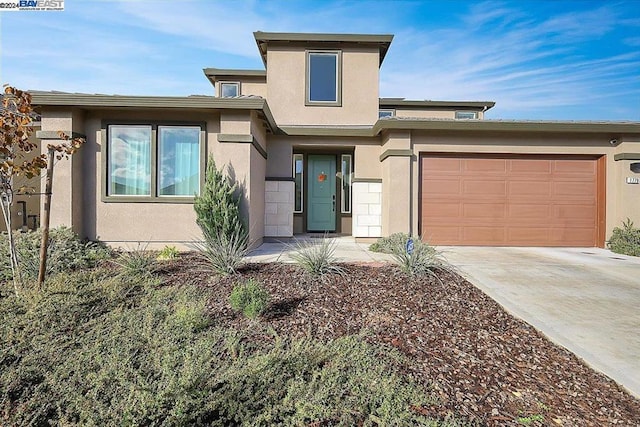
{"x": 321, "y": 193}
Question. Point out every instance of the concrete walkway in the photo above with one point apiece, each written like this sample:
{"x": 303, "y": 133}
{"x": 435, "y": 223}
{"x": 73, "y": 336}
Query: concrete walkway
{"x": 346, "y": 250}
{"x": 587, "y": 300}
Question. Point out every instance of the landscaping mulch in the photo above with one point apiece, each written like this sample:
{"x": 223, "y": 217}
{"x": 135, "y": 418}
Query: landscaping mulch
{"x": 485, "y": 365}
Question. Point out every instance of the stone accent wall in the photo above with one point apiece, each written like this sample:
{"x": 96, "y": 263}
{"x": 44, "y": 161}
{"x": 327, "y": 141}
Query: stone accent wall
{"x": 367, "y": 209}
{"x": 278, "y": 208}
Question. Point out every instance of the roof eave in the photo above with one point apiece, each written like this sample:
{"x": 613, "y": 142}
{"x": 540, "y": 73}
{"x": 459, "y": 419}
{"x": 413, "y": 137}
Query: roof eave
{"x": 625, "y": 128}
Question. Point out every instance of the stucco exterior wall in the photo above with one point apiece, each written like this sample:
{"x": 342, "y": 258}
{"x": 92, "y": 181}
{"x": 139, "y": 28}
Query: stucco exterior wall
{"x": 248, "y": 86}
{"x": 286, "y": 77}
{"x": 627, "y": 196}
{"x": 617, "y": 206}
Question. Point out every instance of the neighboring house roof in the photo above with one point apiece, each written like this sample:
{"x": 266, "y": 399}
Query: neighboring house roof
{"x": 406, "y": 103}
{"x": 382, "y": 41}
{"x": 217, "y": 74}
{"x": 246, "y": 102}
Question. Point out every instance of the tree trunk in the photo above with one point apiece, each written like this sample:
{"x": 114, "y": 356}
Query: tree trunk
{"x": 6, "y": 202}
{"x": 45, "y": 220}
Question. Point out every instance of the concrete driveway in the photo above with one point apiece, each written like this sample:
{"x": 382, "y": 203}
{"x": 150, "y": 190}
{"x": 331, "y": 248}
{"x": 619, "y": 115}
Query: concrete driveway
{"x": 587, "y": 300}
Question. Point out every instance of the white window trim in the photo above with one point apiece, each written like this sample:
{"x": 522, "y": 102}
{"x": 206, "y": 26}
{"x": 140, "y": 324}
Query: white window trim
{"x": 338, "y": 101}
{"x": 236, "y": 84}
{"x": 386, "y": 110}
{"x": 300, "y": 157}
{"x": 342, "y": 200}
{"x": 475, "y": 115}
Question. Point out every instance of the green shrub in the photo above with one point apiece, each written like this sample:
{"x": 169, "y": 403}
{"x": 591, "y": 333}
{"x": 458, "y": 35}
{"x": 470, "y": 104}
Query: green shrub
{"x": 386, "y": 244}
{"x": 137, "y": 262}
{"x": 218, "y": 216}
{"x": 625, "y": 240}
{"x": 249, "y": 298}
{"x": 101, "y": 349}
{"x": 168, "y": 253}
{"x": 424, "y": 260}
{"x": 317, "y": 257}
{"x": 65, "y": 252}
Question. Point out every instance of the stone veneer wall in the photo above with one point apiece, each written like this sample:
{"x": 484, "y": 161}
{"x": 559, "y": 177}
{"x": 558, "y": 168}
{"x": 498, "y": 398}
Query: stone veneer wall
{"x": 278, "y": 209}
{"x": 367, "y": 209}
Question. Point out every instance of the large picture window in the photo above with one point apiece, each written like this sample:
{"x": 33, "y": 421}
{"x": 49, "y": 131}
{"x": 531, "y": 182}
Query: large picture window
{"x": 154, "y": 161}
{"x": 323, "y": 78}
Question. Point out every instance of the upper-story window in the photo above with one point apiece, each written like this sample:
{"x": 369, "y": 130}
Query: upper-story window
{"x": 466, "y": 115}
{"x": 323, "y": 78}
{"x": 229, "y": 89}
{"x": 386, "y": 113}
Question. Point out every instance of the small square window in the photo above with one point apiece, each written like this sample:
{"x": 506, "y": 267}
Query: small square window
{"x": 466, "y": 115}
{"x": 229, "y": 89}
{"x": 386, "y": 113}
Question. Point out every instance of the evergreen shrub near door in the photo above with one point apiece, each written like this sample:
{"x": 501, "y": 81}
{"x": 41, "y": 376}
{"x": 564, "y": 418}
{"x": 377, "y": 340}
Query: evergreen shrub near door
{"x": 218, "y": 216}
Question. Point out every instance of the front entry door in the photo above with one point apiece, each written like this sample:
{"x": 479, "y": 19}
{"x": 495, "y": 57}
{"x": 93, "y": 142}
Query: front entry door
{"x": 321, "y": 190}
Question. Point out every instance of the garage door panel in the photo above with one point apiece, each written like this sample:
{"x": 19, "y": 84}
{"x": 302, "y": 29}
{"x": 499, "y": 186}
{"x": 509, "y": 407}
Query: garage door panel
{"x": 533, "y": 200}
{"x": 530, "y": 236}
{"x": 484, "y": 210}
{"x": 527, "y": 167}
{"x": 529, "y": 189}
{"x": 442, "y": 210}
{"x": 489, "y": 235}
{"x": 586, "y": 167}
{"x": 528, "y": 212}
{"x": 446, "y": 187}
{"x": 485, "y": 165}
{"x": 577, "y": 190}
{"x": 493, "y": 188}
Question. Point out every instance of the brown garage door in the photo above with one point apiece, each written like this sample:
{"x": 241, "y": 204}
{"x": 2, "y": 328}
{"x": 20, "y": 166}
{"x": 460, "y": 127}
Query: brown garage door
{"x": 511, "y": 200}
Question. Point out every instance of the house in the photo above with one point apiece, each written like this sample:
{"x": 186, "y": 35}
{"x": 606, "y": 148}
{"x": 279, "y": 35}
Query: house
{"x": 316, "y": 149}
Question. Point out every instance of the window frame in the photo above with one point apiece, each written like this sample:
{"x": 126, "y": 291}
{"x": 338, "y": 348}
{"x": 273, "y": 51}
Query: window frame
{"x": 350, "y": 184}
{"x": 475, "y": 115}
{"x": 308, "y": 101}
{"x": 296, "y": 157}
{"x": 391, "y": 111}
{"x": 230, "y": 83}
{"x": 155, "y": 196}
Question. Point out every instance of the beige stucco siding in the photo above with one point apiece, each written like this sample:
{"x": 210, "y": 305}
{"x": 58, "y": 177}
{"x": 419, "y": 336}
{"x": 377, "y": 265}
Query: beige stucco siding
{"x": 618, "y": 202}
{"x": 627, "y": 196}
{"x": 286, "y": 77}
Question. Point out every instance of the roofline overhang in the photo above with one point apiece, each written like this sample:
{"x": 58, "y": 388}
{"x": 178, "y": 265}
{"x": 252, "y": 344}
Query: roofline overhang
{"x": 214, "y": 74}
{"x": 383, "y": 41}
{"x": 395, "y": 102}
{"x": 617, "y": 128}
{"x": 96, "y": 101}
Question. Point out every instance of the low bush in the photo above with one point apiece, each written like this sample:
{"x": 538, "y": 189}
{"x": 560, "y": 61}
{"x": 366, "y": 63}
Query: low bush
{"x": 99, "y": 349}
{"x": 626, "y": 239}
{"x": 223, "y": 254}
{"x": 249, "y": 298}
{"x": 168, "y": 253}
{"x": 386, "y": 244}
{"x": 424, "y": 259}
{"x": 317, "y": 257}
{"x": 137, "y": 262}
{"x": 65, "y": 252}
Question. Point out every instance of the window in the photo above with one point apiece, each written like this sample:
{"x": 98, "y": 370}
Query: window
{"x": 149, "y": 161}
{"x": 386, "y": 113}
{"x": 229, "y": 89}
{"x": 346, "y": 183}
{"x": 298, "y": 173}
{"x": 323, "y": 78}
{"x": 466, "y": 115}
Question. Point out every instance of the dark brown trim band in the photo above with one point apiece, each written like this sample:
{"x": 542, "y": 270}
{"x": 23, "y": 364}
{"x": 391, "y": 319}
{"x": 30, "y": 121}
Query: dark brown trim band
{"x": 242, "y": 139}
{"x": 626, "y": 156}
{"x": 280, "y": 178}
{"x": 396, "y": 153}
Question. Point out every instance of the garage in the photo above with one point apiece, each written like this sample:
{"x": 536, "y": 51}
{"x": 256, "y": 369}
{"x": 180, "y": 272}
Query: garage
{"x": 512, "y": 200}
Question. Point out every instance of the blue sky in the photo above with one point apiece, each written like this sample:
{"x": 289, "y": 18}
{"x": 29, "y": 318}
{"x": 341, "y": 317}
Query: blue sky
{"x": 565, "y": 60}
